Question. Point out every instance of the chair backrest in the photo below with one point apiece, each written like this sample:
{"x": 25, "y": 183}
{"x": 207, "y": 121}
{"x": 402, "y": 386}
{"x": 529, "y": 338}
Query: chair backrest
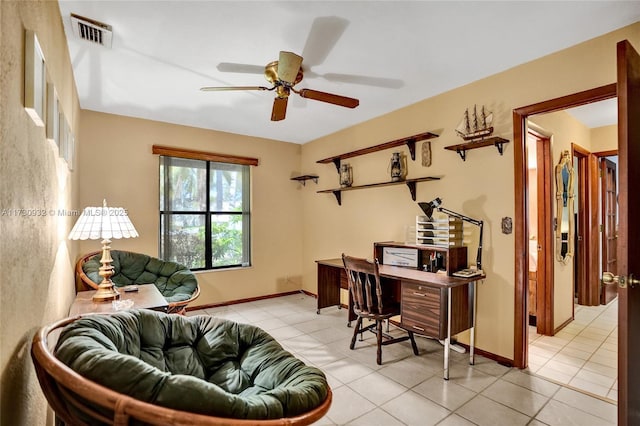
{"x": 364, "y": 284}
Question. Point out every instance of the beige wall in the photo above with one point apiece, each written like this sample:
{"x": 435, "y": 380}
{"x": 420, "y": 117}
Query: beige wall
{"x": 604, "y": 138}
{"x": 481, "y": 187}
{"x": 116, "y": 163}
{"x": 292, "y": 225}
{"x": 36, "y": 279}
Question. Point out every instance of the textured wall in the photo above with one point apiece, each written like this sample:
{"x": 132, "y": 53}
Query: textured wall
{"x": 36, "y": 274}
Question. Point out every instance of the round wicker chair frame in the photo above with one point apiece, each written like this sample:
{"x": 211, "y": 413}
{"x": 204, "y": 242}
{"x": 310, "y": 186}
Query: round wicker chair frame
{"x": 83, "y": 282}
{"x": 67, "y": 391}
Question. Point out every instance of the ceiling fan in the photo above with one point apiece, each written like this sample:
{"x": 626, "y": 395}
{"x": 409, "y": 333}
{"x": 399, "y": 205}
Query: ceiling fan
{"x": 284, "y": 74}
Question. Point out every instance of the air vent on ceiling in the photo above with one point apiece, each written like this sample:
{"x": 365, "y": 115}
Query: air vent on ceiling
{"x": 91, "y": 30}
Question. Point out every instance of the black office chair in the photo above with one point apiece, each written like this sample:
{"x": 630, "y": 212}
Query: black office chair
{"x": 369, "y": 303}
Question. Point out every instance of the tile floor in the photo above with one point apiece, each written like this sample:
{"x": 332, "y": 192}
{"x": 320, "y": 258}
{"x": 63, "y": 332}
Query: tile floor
{"x": 584, "y": 354}
{"x": 409, "y": 389}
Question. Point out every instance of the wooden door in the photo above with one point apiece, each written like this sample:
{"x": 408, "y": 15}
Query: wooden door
{"x": 545, "y": 255}
{"x": 609, "y": 224}
{"x": 628, "y": 90}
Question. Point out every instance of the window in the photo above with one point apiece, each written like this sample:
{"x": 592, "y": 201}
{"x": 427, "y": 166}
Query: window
{"x": 204, "y": 213}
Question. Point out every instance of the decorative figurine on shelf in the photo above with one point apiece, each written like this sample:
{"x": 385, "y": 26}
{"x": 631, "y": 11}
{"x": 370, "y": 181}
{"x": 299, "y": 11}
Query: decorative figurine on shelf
{"x": 346, "y": 175}
{"x": 398, "y": 167}
{"x": 426, "y": 153}
{"x": 475, "y": 126}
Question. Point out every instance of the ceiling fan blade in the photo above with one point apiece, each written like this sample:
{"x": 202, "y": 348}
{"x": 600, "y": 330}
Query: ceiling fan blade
{"x": 279, "y": 111}
{"x": 323, "y": 36}
{"x": 240, "y": 68}
{"x": 288, "y": 66}
{"x": 329, "y": 98}
{"x": 228, "y": 88}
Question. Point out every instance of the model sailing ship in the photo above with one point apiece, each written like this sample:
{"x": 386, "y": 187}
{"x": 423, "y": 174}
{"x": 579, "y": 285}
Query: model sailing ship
{"x": 475, "y": 126}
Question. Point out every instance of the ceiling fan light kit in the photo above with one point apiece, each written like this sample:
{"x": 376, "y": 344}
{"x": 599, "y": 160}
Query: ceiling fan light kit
{"x": 284, "y": 74}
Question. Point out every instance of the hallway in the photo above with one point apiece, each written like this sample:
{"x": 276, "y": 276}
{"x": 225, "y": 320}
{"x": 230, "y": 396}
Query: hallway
{"x": 584, "y": 354}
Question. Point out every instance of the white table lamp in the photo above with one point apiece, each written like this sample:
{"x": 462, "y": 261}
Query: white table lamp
{"x": 104, "y": 223}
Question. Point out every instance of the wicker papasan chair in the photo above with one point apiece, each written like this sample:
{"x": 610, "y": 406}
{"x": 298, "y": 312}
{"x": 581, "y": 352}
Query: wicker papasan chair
{"x": 177, "y": 284}
{"x": 146, "y": 367}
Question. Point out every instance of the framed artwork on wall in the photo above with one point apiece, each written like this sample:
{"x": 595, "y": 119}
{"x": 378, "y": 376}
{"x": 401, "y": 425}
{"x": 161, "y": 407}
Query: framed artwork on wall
{"x": 34, "y": 79}
{"x": 71, "y": 146}
{"x": 53, "y": 121}
{"x": 67, "y": 146}
{"x": 63, "y": 129}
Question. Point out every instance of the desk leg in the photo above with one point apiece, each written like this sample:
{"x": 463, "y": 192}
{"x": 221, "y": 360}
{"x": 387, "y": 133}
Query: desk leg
{"x": 447, "y": 341}
{"x": 472, "y": 331}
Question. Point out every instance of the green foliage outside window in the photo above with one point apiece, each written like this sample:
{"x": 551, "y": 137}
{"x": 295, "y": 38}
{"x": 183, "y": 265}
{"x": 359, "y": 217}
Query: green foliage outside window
{"x": 200, "y": 215}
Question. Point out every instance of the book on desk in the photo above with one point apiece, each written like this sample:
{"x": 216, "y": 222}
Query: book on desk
{"x": 467, "y": 273}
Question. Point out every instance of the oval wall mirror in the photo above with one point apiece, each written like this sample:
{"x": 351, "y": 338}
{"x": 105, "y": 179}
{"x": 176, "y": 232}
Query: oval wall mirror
{"x": 564, "y": 209}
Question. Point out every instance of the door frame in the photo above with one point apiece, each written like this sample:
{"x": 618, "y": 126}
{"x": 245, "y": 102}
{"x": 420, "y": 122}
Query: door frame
{"x": 544, "y": 280}
{"x": 589, "y": 279}
{"x": 520, "y": 115}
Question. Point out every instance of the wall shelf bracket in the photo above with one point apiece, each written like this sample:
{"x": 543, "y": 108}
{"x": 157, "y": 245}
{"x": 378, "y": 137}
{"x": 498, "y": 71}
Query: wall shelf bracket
{"x": 336, "y": 162}
{"x": 411, "y": 144}
{"x": 462, "y": 153}
{"x": 338, "y": 195}
{"x": 411, "y": 184}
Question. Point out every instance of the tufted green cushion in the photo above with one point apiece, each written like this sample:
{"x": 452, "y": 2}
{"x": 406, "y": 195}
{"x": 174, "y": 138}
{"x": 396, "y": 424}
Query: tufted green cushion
{"x": 199, "y": 364}
{"x": 173, "y": 280}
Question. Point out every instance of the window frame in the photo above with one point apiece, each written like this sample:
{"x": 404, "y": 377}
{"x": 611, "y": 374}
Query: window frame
{"x": 209, "y": 213}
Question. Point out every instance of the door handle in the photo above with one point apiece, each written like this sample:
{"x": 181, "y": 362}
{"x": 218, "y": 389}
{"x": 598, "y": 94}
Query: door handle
{"x": 609, "y": 279}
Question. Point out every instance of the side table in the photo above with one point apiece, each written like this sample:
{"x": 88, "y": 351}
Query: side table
{"x": 147, "y": 297}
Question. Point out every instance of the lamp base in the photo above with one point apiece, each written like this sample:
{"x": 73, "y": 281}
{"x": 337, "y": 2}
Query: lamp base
{"x": 106, "y": 293}
{"x": 106, "y": 289}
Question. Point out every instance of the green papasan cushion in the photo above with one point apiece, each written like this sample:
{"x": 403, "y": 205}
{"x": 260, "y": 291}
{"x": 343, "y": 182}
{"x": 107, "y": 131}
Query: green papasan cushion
{"x": 200, "y": 364}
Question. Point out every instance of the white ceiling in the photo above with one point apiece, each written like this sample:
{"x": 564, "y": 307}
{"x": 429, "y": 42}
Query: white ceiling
{"x": 597, "y": 114}
{"x": 388, "y": 54}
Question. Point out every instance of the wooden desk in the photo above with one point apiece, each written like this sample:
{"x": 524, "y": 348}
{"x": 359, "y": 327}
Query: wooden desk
{"x": 147, "y": 297}
{"x": 431, "y": 304}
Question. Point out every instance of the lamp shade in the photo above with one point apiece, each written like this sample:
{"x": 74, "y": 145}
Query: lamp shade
{"x": 429, "y": 207}
{"x": 103, "y": 223}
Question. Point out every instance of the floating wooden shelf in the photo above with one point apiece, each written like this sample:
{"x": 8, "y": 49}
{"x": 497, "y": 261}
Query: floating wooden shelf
{"x": 410, "y": 141}
{"x": 462, "y": 148}
{"x": 411, "y": 184}
{"x": 304, "y": 178}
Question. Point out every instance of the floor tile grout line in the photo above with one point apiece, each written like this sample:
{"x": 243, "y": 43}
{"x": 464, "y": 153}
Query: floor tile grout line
{"x": 591, "y": 355}
{"x": 495, "y": 375}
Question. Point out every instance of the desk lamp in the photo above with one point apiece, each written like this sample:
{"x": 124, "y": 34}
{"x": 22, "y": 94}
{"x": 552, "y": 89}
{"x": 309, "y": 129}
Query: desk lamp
{"x": 428, "y": 209}
{"x": 104, "y": 223}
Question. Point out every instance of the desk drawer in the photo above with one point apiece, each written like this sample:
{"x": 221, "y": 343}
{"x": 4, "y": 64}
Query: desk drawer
{"x": 422, "y": 310}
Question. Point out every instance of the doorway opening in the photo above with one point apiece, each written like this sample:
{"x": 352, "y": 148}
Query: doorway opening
{"x": 585, "y": 271}
{"x": 520, "y": 117}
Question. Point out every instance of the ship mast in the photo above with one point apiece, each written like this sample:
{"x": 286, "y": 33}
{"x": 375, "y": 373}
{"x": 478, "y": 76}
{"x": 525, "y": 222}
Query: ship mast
{"x": 475, "y": 119}
{"x": 466, "y": 120}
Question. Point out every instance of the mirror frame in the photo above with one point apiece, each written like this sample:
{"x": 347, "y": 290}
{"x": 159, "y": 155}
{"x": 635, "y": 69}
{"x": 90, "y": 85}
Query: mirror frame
{"x": 565, "y": 161}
